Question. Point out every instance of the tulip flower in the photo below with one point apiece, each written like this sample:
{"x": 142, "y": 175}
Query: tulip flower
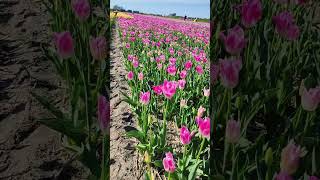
{"x": 168, "y": 163}
{"x": 251, "y": 12}
{"x": 183, "y": 74}
{"x": 98, "y": 47}
{"x": 103, "y": 113}
{"x": 204, "y": 127}
{"x": 183, "y": 103}
{"x": 199, "y": 69}
{"x": 229, "y": 72}
{"x": 206, "y": 92}
{"x": 234, "y": 42}
{"x": 283, "y": 176}
{"x": 233, "y": 131}
{"x": 185, "y": 135}
{"x": 172, "y": 70}
{"x": 157, "y": 89}
{"x": 313, "y": 178}
{"x": 188, "y": 65}
{"x": 130, "y": 75}
{"x": 309, "y": 98}
{"x": 144, "y": 98}
{"x": 64, "y": 44}
{"x": 140, "y": 76}
{"x": 182, "y": 83}
{"x": 290, "y": 157}
{"x": 201, "y": 110}
{"x": 81, "y": 8}
{"x": 169, "y": 88}
{"x": 285, "y": 26}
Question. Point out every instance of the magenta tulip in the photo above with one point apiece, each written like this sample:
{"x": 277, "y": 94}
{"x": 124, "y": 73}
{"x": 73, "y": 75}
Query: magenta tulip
{"x": 290, "y": 157}
{"x": 104, "y": 114}
{"x": 169, "y": 88}
{"x": 185, "y": 135}
{"x": 285, "y": 25}
{"x": 251, "y": 13}
{"x": 204, "y": 127}
{"x": 229, "y": 72}
{"x": 144, "y": 98}
{"x": 64, "y": 44}
{"x": 234, "y": 42}
{"x": 168, "y": 163}
{"x": 81, "y": 8}
{"x": 98, "y": 47}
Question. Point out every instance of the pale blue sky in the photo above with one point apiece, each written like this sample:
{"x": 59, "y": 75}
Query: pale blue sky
{"x": 191, "y": 8}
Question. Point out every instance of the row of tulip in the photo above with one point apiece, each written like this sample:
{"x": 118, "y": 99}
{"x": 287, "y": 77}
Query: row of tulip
{"x": 264, "y": 107}
{"x": 79, "y": 52}
{"x": 168, "y": 73}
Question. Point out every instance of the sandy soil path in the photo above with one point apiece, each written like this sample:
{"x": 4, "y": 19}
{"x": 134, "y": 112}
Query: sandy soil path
{"x": 124, "y": 158}
{"x": 28, "y": 150}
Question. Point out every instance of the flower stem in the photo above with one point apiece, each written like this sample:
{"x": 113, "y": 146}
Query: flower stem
{"x": 202, "y": 143}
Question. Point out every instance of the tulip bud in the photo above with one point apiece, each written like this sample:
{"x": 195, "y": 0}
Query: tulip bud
{"x": 268, "y": 158}
{"x": 290, "y": 157}
{"x": 232, "y": 131}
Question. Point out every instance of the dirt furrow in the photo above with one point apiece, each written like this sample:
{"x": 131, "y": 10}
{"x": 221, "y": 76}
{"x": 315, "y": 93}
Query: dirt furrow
{"x": 124, "y": 157}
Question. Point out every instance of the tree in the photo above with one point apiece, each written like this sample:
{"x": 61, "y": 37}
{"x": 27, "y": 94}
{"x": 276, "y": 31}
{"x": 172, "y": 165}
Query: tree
{"x": 118, "y": 8}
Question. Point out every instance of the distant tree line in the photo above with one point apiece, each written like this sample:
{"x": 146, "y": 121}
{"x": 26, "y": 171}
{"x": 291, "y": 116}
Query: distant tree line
{"x": 121, "y": 9}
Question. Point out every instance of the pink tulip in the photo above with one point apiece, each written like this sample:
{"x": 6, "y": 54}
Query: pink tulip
{"x": 140, "y": 76}
{"x": 234, "y": 42}
{"x": 145, "y": 97}
{"x": 313, "y": 178}
{"x": 285, "y": 25}
{"x": 130, "y": 57}
{"x": 130, "y": 75}
{"x": 233, "y": 131}
{"x": 290, "y": 157}
{"x": 183, "y": 74}
{"x": 159, "y": 65}
{"x": 98, "y": 47}
{"x": 185, "y": 135}
{"x": 81, "y": 8}
{"x": 157, "y": 89}
{"x": 251, "y": 12}
{"x": 64, "y": 44}
{"x": 309, "y": 98}
{"x": 169, "y": 88}
{"x": 283, "y": 176}
{"x": 201, "y": 110}
{"x": 206, "y": 92}
{"x": 172, "y": 70}
{"x": 127, "y": 45}
{"x": 135, "y": 63}
{"x": 188, "y": 65}
{"x": 204, "y": 127}
{"x": 172, "y": 60}
{"x": 229, "y": 72}
{"x": 183, "y": 103}
{"x": 104, "y": 113}
{"x": 168, "y": 163}
{"x": 199, "y": 69}
{"x": 182, "y": 83}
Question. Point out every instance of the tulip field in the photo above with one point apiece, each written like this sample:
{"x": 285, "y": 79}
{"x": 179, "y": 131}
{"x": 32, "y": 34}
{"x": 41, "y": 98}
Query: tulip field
{"x": 79, "y": 51}
{"x": 265, "y": 90}
{"x": 168, "y": 73}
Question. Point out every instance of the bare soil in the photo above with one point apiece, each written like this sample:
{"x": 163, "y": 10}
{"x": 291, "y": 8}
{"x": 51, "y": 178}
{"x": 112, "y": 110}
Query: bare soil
{"x": 29, "y": 150}
{"x": 125, "y": 162}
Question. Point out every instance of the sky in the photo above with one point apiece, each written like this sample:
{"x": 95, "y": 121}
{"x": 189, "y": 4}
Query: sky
{"x": 190, "y": 8}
